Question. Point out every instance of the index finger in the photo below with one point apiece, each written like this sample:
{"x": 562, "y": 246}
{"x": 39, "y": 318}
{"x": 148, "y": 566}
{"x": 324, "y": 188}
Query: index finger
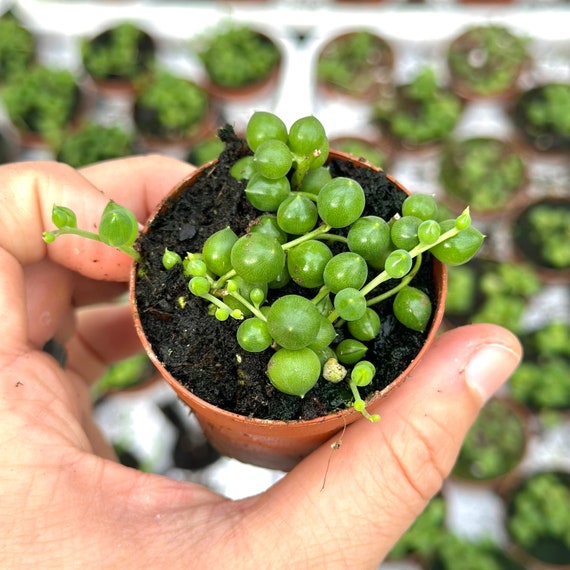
{"x": 151, "y": 176}
{"x": 30, "y": 189}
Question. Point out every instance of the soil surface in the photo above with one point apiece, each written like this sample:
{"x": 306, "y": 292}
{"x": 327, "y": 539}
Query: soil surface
{"x": 201, "y": 352}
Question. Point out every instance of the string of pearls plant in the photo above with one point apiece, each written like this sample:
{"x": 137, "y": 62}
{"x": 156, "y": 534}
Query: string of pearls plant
{"x": 302, "y": 208}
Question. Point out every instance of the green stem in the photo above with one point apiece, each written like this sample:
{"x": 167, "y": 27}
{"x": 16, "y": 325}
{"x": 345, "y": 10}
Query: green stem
{"x": 222, "y": 280}
{"x": 333, "y": 237}
{"x": 303, "y": 164}
{"x": 405, "y": 280}
{"x": 311, "y": 235}
{"x": 323, "y": 292}
{"x": 220, "y": 304}
{"x": 414, "y": 252}
{"x": 129, "y": 250}
{"x": 359, "y": 404}
{"x": 247, "y": 304}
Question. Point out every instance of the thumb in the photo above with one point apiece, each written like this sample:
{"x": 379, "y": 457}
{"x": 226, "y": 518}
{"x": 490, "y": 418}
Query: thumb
{"x": 383, "y": 475}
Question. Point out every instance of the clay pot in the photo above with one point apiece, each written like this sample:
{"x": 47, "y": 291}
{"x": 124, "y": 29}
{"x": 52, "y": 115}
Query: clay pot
{"x": 271, "y": 443}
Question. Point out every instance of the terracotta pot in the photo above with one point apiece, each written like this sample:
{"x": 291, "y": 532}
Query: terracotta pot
{"x": 270, "y": 443}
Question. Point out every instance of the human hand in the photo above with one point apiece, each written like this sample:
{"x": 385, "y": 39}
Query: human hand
{"x": 66, "y": 501}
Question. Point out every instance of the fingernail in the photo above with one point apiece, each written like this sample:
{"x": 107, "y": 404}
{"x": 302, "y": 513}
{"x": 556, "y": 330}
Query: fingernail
{"x": 489, "y": 368}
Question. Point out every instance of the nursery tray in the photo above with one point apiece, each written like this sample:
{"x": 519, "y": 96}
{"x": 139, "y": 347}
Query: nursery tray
{"x": 146, "y": 425}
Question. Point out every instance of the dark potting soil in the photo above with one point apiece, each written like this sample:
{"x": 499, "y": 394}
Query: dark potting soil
{"x": 201, "y": 352}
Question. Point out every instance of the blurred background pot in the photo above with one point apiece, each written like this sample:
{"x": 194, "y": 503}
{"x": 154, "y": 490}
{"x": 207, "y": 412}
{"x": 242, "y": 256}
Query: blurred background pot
{"x": 541, "y": 236}
{"x": 542, "y": 116}
{"x": 115, "y": 57}
{"x": 485, "y": 173}
{"x": 419, "y": 114}
{"x": 538, "y": 518}
{"x": 487, "y": 61}
{"x": 495, "y": 444}
{"x": 357, "y": 64}
{"x": 239, "y": 60}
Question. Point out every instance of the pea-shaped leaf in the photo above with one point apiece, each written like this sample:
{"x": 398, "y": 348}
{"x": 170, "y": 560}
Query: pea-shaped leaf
{"x": 350, "y": 351}
{"x": 412, "y": 307}
{"x": 257, "y": 257}
{"x": 294, "y": 372}
{"x": 460, "y": 248}
{"x": 118, "y": 226}
{"x": 340, "y": 202}
{"x": 293, "y": 321}
{"x": 217, "y": 249}
{"x": 63, "y": 217}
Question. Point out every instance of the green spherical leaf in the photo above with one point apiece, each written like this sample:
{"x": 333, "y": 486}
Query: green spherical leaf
{"x": 273, "y": 159}
{"x": 308, "y": 139}
{"x": 265, "y": 194}
{"x": 369, "y": 237}
{"x": 463, "y": 221}
{"x": 398, "y": 263}
{"x": 63, "y": 217}
{"x": 170, "y": 259}
{"x": 363, "y": 373}
{"x": 306, "y": 263}
{"x": 350, "y": 351}
{"x": 118, "y": 226}
{"x": 243, "y": 168}
{"x": 199, "y": 286}
{"x": 366, "y": 327}
{"x": 217, "y": 250}
{"x": 423, "y": 206}
{"x": 267, "y": 224}
{"x": 404, "y": 232}
{"x": 263, "y": 126}
{"x": 315, "y": 179}
{"x": 341, "y": 202}
{"x": 294, "y": 372}
{"x": 327, "y": 333}
{"x": 293, "y": 322}
{"x": 257, "y": 257}
{"x": 429, "y": 232}
{"x": 297, "y": 214}
{"x": 350, "y": 304}
{"x": 460, "y": 248}
{"x": 412, "y": 308}
{"x": 346, "y": 269}
{"x": 253, "y": 335}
